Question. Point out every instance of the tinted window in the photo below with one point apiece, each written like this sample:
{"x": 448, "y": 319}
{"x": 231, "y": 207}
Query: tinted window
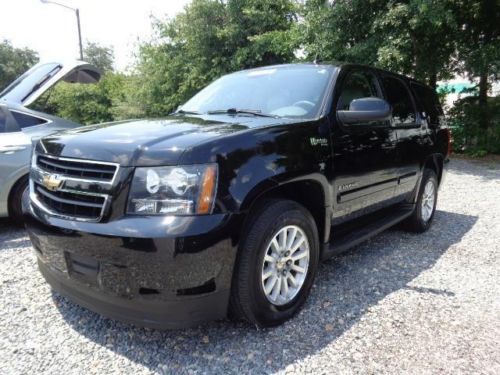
{"x": 429, "y": 101}
{"x": 25, "y": 121}
{"x": 295, "y": 91}
{"x": 356, "y": 85}
{"x": 399, "y": 98}
{"x": 7, "y": 122}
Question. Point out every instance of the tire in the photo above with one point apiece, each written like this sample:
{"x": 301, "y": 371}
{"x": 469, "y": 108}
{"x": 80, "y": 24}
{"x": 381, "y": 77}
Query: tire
{"x": 249, "y": 300}
{"x": 421, "y": 218}
{"x": 16, "y": 199}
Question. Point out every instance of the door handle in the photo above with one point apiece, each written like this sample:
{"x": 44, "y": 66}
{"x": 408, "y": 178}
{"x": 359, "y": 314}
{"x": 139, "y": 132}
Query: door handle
{"x": 11, "y": 149}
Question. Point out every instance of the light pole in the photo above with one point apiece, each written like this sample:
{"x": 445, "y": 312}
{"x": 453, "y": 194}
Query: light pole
{"x": 77, "y": 12}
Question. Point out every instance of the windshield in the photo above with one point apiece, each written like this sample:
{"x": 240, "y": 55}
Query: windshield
{"x": 30, "y": 81}
{"x": 293, "y": 91}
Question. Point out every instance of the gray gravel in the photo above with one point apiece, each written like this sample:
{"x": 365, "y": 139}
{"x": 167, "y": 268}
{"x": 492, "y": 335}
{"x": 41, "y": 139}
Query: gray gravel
{"x": 398, "y": 303}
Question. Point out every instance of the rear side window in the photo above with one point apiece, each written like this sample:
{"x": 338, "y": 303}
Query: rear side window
{"x": 429, "y": 101}
{"x": 25, "y": 121}
{"x": 398, "y": 96}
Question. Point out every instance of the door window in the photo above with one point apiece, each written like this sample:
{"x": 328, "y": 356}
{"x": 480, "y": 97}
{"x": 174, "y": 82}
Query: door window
{"x": 398, "y": 96}
{"x": 358, "y": 84}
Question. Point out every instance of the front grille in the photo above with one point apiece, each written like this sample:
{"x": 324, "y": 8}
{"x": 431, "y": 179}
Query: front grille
{"x": 73, "y": 198}
{"x": 78, "y": 169}
{"x": 70, "y": 204}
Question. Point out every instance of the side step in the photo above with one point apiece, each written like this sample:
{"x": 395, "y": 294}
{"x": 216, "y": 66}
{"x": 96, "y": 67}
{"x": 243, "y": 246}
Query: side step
{"x": 347, "y": 235}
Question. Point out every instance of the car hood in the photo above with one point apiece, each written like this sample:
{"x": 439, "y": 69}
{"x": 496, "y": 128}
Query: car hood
{"x": 146, "y": 142}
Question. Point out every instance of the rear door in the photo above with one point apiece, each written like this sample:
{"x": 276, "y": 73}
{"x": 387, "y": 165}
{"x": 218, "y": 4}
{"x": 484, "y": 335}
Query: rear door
{"x": 411, "y": 133}
{"x": 364, "y": 154}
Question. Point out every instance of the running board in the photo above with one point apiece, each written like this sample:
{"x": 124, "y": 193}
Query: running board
{"x": 347, "y": 235}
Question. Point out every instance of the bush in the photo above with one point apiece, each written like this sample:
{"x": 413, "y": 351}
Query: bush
{"x": 85, "y": 104}
{"x": 468, "y": 134}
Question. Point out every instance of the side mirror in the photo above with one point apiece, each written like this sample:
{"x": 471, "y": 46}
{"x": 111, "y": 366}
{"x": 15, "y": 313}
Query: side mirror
{"x": 365, "y": 110}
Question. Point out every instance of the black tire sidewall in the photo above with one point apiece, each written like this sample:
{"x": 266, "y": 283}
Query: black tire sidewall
{"x": 16, "y": 199}
{"x": 263, "y": 312}
{"x": 429, "y": 174}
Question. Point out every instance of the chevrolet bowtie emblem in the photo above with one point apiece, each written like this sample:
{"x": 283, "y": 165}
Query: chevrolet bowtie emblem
{"x": 52, "y": 182}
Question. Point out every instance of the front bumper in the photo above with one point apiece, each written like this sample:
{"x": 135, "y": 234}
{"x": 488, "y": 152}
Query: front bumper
{"x": 158, "y": 272}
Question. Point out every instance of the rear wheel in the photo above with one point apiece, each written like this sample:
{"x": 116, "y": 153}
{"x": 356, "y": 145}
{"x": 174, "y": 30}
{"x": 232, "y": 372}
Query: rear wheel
{"x": 277, "y": 263}
{"x": 422, "y": 216}
{"x": 16, "y": 199}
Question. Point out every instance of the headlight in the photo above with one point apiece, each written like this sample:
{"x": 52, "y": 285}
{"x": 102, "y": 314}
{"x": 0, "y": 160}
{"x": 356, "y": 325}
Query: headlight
{"x": 185, "y": 190}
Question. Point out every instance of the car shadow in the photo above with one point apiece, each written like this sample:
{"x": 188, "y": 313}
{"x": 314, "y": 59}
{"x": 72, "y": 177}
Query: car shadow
{"x": 345, "y": 289}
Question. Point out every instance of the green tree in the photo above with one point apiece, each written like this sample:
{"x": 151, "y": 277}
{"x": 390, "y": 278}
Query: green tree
{"x": 100, "y": 56}
{"x": 14, "y": 61}
{"x": 208, "y": 39}
{"x": 479, "y": 48}
{"x": 341, "y": 30}
{"x": 418, "y": 38}
{"x": 86, "y": 103}
{"x": 413, "y": 37}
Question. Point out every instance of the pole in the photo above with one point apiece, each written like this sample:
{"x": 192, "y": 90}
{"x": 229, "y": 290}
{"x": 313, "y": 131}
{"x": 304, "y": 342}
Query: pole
{"x": 79, "y": 32}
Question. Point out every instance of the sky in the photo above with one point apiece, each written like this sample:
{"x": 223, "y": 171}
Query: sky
{"x": 51, "y": 29}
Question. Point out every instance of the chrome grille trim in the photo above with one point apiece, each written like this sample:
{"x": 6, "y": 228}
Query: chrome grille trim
{"x": 78, "y": 161}
{"x": 65, "y": 198}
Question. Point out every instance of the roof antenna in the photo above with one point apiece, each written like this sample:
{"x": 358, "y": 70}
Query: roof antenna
{"x": 315, "y": 61}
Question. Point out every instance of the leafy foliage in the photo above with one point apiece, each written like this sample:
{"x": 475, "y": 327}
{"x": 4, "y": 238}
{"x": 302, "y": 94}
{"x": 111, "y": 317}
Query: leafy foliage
{"x": 208, "y": 39}
{"x": 86, "y": 103}
{"x": 14, "y": 62}
{"x": 100, "y": 56}
{"x": 468, "y": 135}
{"x": 413, "y": 37}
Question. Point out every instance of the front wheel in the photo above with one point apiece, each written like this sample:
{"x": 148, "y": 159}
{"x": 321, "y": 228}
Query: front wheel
{"x": 277, "y": 263}
{"x": 422, "y": 216}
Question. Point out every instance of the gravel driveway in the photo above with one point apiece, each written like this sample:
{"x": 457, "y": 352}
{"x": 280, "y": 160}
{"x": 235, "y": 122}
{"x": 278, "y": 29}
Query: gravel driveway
{"x": 398, "y": 303}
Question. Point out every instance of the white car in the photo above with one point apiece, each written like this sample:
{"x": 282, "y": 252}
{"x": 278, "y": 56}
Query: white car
{"x": 20, "y": 126}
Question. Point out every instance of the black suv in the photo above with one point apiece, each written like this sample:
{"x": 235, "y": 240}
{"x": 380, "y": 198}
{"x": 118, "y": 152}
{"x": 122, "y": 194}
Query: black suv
{"x": 227, "y": 205}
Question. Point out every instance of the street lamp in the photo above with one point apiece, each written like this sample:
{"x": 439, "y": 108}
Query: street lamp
{"x": 77, "y": 12}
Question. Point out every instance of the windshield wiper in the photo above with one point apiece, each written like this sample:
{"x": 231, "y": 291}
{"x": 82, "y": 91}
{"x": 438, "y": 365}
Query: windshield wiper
{"x": 235, "y": 111}
{"x": 183, "y": 112}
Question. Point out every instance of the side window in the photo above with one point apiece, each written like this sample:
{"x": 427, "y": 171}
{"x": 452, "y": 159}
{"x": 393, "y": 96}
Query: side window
{"x": 429, "y": 101}
{"x": 399, "y": 98}
{"x": 357, "y": 84}
{"x": 25, "y": 121}
{"x": 7, "y": 122}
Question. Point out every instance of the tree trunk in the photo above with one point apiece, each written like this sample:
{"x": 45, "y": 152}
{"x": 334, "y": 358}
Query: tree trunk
{"x": 483, "y": 99}
{"x": 433, "y": 80}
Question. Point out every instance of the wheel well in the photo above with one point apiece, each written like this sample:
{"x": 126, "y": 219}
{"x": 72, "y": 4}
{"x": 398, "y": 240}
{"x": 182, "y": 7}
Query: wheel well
{"x": 435, "y": 162}
{"x": 19, "y": 181}
{"x": 308, "y": 193}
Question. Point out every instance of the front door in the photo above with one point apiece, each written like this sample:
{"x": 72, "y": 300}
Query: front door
{"x": 365, "y": 174}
